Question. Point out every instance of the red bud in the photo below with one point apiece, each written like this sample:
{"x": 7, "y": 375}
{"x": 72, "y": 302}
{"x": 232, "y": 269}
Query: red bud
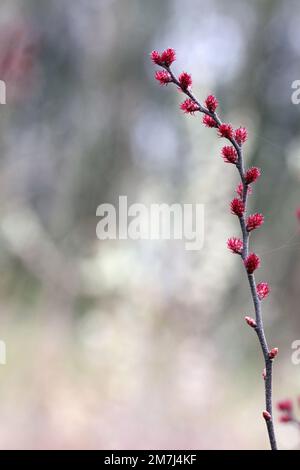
{"x": 251, "y": 322}
{"x": 285, "y": 419}
{"x": 267, "y": 415}
{"x": 273, "y": 353}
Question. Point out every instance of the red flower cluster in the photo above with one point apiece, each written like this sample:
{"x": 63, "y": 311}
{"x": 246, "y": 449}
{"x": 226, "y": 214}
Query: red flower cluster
{"x": 189, "y": 106}
{"x": 166, "y": 58}
{"x": 235, "y": 245}
{"x": 237, "y": 207}
{"x": 226, "y": 130}
{"x": 286, "y": 409}
{"x": 208, "y": 121}
{"x": 252, "y": 175}
{"x": 285, "y": 405}
{"x": 252, "y": 262}
{"x": 262, "y": 290}
{"x": 229, "y": 154}
{"x": 286, "y": 418}
{"x": 240, "y": 190}
{"x": 163, "y": 77}
{"x": 211, "y": 103}
{"x": 241, "y": 135}
{"x": 185, "y": 81}
{"x": 156, "y": 58}
{"x": 254, "y": 221}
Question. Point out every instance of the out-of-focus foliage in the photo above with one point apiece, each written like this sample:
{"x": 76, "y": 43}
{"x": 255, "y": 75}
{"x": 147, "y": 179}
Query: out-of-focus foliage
{"x": 126, "y": 344}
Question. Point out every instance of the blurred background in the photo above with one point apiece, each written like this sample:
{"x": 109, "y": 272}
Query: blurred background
{"x": 142, "y": 344}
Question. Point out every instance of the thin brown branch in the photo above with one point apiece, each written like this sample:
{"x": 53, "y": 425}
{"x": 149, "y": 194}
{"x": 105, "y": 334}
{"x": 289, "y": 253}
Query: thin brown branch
{"x": 259, "y": 328}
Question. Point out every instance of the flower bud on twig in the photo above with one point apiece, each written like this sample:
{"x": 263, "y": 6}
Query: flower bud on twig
{"x": 241, "y": 135}
{"x": 285, "y": 419}
{"x": 285, "y": 405}
{"x": 235, "y": 245}
{"x": 208, "y": 121}
{"x": 240, "y": 190}
{"x": 185, "y": 81}
{"x": 251, "y": 322}
{"x": 254, "y": 221}
{"x": 166, "y": 58}
{"x": 225, "y": 130}
{"x": 163, "y": 77}
{"x": 211, "y": 103}
{"x": 263, "y": 290}
{"x": 252, "y": 262}
{"x": 237, "y": 207}
{"x": 267, "y": 415}
{"x": 189, "y": 107}
{"x": 252, "y": 175}
{"x": 273, "y": 353}
{"x": 229, "y": 154}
